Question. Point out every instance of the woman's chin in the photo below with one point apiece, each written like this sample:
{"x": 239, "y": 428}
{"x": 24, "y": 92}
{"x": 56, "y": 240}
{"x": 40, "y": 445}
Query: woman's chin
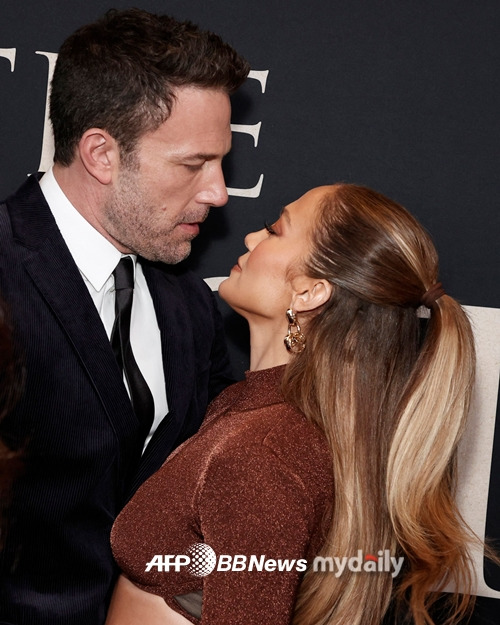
{"x": 224, "y": 291}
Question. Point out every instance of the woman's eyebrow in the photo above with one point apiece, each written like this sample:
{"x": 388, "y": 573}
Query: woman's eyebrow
{"x": 286, "y": 214}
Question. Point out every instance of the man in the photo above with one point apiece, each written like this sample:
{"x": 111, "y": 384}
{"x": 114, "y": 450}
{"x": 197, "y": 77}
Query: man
{"x": 141, "y": 117}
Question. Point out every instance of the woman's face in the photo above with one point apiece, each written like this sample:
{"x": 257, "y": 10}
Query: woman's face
{"x": 261, "y": 284}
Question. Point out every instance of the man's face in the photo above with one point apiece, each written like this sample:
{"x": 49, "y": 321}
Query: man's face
{"x": 159, "y": 200}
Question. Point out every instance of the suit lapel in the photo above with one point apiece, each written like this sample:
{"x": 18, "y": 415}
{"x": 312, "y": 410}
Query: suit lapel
{"x": 56, "y": 277}
{"x": 178, "y": 363}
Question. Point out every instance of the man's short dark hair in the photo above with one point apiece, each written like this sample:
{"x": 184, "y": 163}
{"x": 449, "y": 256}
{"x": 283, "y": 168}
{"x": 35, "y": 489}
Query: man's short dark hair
{"x": 120, "y": 74}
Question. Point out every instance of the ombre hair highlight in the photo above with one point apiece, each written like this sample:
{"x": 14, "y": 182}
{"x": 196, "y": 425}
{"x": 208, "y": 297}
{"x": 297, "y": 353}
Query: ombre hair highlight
{"x": 391, "y": 393}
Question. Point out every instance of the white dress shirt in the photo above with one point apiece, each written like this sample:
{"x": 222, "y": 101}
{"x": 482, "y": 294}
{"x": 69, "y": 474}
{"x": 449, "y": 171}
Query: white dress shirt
{"x": 96, "y": 258}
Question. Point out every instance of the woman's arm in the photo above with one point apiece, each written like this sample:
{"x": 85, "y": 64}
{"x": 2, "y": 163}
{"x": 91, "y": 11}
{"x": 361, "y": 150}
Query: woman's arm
{"x": 254, "y": 504}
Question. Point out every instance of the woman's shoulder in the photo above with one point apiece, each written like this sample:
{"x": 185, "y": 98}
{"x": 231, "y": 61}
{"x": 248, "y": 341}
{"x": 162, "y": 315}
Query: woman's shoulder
{"x": 253, "y": 417}
{"x": 281, "y": 426}
{"x": 272, "y": 461}
{"x": 279, "y": 430}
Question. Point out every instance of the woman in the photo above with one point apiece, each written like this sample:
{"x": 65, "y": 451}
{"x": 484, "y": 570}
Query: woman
{"x": 340, "y": 442}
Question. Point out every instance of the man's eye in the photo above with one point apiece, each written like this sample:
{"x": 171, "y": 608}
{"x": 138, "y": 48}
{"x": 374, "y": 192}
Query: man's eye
{"x": 193, "y": 167}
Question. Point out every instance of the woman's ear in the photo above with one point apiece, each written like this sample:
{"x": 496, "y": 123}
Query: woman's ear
{"x": 310, "y": 294}
{"x": 99, "y": 154}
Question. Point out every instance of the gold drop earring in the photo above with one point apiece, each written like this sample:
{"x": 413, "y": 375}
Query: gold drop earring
{"x": 295, "y": 341}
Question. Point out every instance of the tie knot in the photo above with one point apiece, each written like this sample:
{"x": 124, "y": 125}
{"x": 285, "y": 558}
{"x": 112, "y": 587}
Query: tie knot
{"x": 124, "y": 274}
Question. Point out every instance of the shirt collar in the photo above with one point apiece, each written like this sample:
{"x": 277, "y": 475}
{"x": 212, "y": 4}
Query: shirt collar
{"x": 94, "y": 255}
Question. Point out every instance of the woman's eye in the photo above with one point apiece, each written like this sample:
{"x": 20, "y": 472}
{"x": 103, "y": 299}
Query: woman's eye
{"x": 269, "y": 228}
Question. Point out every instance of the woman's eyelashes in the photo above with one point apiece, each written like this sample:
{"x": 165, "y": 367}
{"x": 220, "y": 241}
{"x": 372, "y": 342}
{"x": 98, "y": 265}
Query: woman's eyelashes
{"x": 269, "y": 228}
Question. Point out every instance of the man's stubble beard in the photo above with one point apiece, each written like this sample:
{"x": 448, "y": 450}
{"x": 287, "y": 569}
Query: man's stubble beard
{"x": 128, "y": 218}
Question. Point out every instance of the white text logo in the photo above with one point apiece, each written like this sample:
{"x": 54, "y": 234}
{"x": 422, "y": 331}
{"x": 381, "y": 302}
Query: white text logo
{"x": 200, "y": 560}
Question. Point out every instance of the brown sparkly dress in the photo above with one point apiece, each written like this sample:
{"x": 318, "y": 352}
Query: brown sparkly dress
{"x": 255, "y": 480}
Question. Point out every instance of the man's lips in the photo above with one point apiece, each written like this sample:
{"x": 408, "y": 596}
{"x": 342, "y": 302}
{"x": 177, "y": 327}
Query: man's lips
{"x": 193, "y": 227}
{"x": 190, "y": 228}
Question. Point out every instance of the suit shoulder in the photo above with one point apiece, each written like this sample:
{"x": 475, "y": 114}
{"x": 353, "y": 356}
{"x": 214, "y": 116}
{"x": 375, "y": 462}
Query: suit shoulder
{"x": 192, "y": 284}
{"x": 184, "y": 281}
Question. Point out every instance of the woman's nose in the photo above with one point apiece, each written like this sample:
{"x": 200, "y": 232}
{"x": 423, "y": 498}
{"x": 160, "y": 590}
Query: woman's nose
{"x": 253, "y": 238}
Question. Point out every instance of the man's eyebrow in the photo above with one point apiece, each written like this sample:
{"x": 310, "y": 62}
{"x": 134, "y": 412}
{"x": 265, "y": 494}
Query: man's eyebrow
{"x": 200, "y": 156}
{"x": 195, "y": 157}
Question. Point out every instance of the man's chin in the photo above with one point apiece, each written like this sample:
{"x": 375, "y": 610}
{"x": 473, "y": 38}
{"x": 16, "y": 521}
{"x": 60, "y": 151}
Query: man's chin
{"x": 170, "y": 256}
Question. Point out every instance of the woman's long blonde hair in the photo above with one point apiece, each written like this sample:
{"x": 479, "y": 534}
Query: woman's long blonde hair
{"x": 391, "y": 392}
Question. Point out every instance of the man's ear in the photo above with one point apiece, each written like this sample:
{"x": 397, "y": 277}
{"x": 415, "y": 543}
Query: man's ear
{"x": 310, "y": 294}
{"x": 99, "y": 154}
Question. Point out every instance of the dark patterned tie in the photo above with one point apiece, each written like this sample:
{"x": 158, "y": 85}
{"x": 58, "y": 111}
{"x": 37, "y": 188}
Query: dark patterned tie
{"x": 142, "y": 399}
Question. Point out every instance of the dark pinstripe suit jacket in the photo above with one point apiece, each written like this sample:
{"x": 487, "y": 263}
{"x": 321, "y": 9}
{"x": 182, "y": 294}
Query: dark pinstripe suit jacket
{"x": 80, "y": 437}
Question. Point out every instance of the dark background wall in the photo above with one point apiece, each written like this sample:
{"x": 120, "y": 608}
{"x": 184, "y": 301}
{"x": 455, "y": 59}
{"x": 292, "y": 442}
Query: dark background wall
{"x": 400, "y": 95}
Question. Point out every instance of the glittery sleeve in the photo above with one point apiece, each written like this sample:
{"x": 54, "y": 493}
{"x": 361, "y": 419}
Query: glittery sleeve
{"x": 252, "y": 503}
